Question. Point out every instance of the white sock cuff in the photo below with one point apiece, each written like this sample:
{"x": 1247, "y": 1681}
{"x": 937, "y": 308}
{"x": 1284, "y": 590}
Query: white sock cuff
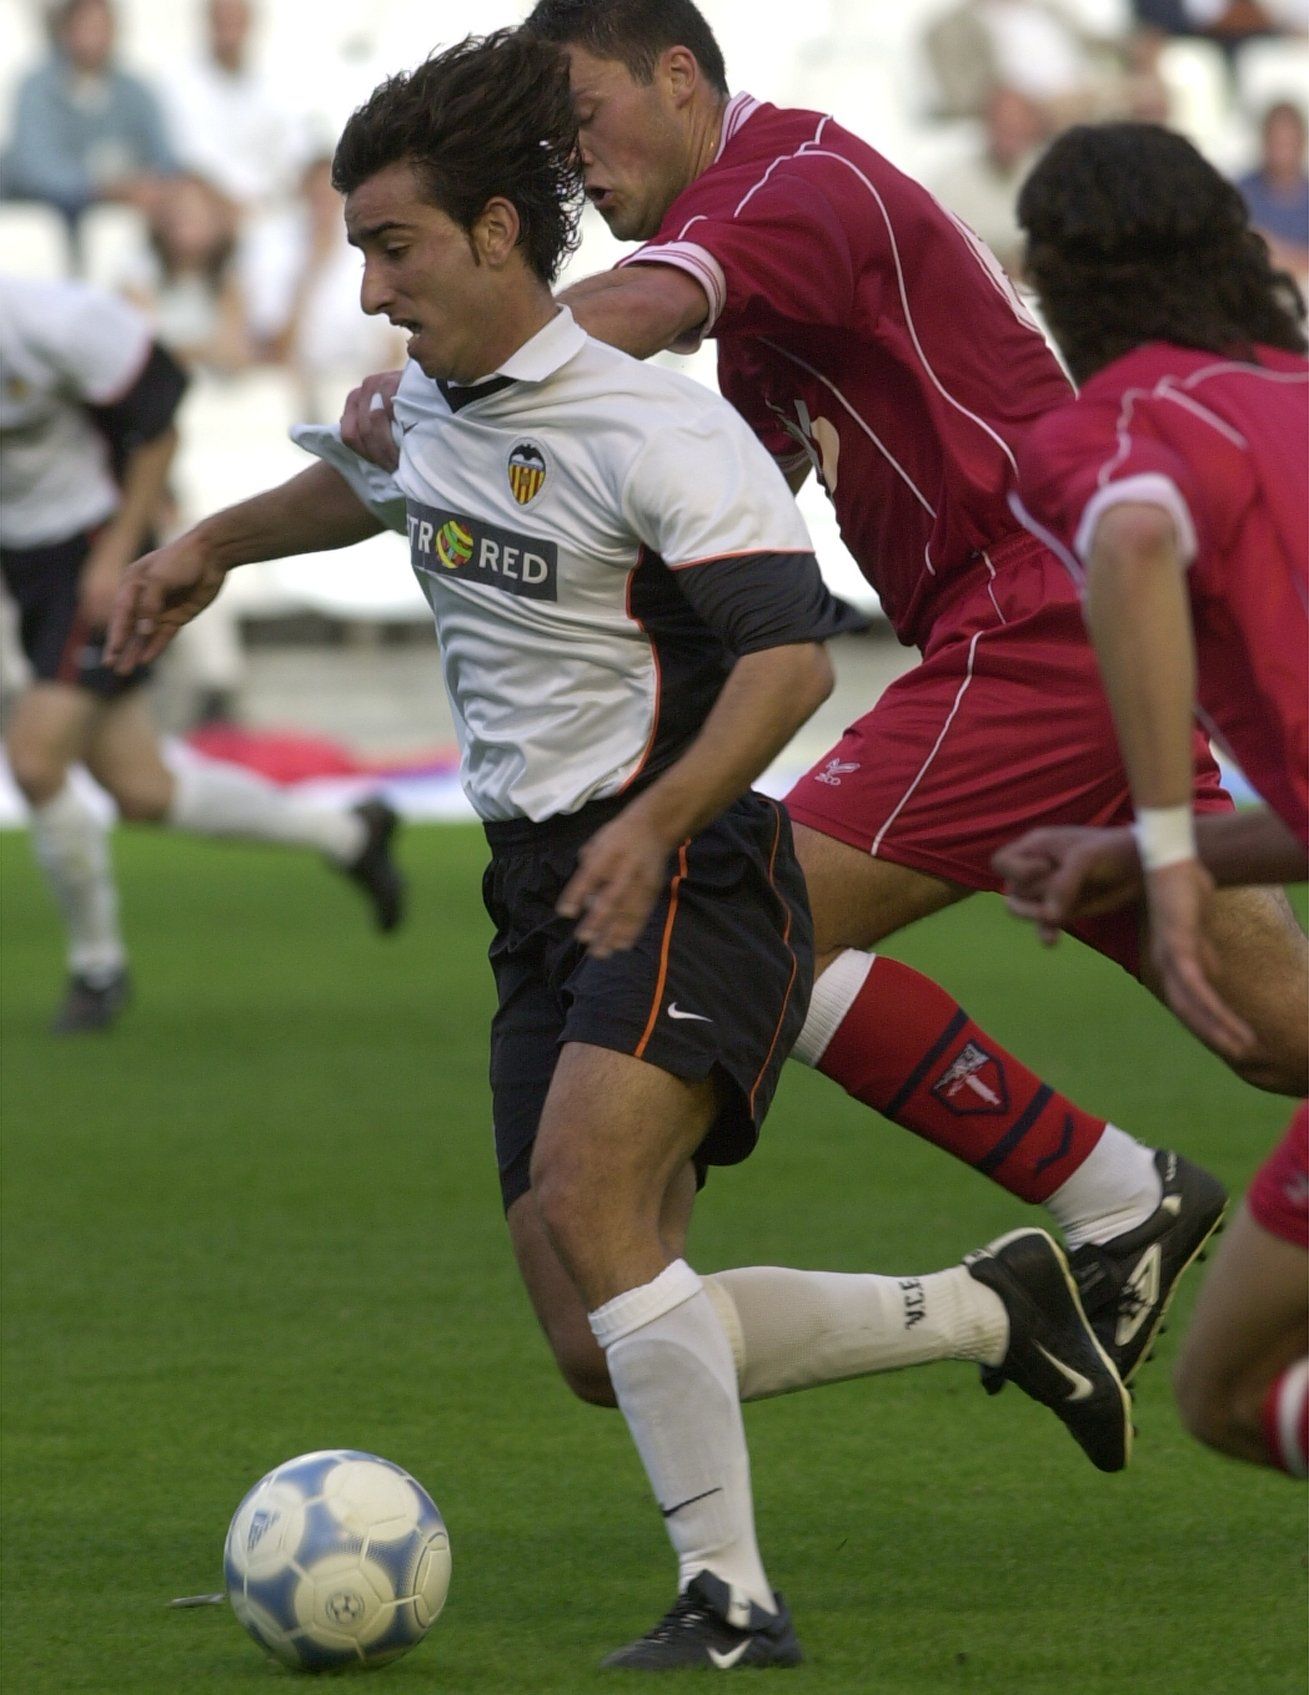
{"x": 675, "y": 1285}
{"x": 834, "y": 994}
{"x": 66, "y": 806}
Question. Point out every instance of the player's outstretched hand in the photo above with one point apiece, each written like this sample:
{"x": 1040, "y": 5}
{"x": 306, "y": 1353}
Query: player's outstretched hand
{"x": 366, "y": 420}
{"x": 157, "y": 595}
{"x": 620, "y": 872}
{"x": 1054, "y": 875}
{"x": 1185, "y": 962}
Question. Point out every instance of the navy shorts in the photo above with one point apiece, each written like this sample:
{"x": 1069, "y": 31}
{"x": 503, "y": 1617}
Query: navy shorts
{"x": 718, "y": 982}
{"x": 60, "y": 646}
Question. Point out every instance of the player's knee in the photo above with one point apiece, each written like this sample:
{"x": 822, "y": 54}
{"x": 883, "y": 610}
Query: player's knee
{"x": 142, "y": 796}
{"x": 38, "y": 772}
{"x": 1279, "y": 1064}
{"x": 1211, "y": 1409}
{"x": 584, "y": 1371}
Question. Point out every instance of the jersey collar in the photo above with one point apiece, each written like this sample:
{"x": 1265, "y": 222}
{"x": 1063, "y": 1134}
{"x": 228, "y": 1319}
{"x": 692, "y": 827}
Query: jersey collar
{"x": 550, "y": 348}
{"x": 739, "y": 110}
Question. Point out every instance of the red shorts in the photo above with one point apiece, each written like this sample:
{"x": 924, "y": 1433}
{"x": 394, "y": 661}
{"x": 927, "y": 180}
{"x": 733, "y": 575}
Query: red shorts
{"x": 1279, "y": 1196}
{"x": 1003, "y": 726}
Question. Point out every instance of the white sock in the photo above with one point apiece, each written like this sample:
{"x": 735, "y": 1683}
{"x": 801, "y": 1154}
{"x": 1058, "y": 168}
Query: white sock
{"x": 671, "y": 1368}
{"x": 834, "y": 994}
{"x": 72, "y": 847}
{"x": 1115, "y": 1188}
{"x": 795, "y": 1329}
{"x": 217, "y": 799}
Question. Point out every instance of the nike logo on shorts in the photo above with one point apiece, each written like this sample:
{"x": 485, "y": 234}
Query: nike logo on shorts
{"x": 675, "y": 1011}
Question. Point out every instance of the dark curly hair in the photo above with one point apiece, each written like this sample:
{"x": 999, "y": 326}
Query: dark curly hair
{"x": 1132, "y": 236}
{"x": 490, "y": 116}
{"x": 634, "y": 32}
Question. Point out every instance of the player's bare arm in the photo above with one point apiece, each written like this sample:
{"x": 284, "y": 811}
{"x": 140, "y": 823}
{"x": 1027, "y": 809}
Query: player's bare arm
{"x": 145, "y": 477}
{"x": 641, "y": 309}
{"x": 1138, "y": 612}
{"x": 311, "y": 513}
{"x": 624, "y": 866}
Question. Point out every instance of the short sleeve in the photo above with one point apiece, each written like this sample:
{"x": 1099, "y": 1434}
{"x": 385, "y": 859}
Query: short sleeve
{"x": 781, "y": 255}
{"x": 1084, "y": 459}
{"x": 97, "y": 342}
{"x": 371, "y": 486}
{"x": 706, "y": 499}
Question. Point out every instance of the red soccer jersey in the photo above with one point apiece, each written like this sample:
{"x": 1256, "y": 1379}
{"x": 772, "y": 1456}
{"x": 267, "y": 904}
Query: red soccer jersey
{"x": 861, "y": 323}
{"x": 1223, "y": 445}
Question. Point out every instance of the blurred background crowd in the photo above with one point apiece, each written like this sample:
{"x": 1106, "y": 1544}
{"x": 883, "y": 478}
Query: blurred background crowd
{"x": 178, "y": 152}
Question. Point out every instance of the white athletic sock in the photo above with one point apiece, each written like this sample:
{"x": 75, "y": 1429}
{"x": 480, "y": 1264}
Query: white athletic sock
{"x": 795, "y": 1329}
{"x": 72, "y": 847}
{"x": 1115, "y": 1188}
{"x": 671, "y": 1368}
{"x": 834, "y": 994}
{"x": 225, "y": 800}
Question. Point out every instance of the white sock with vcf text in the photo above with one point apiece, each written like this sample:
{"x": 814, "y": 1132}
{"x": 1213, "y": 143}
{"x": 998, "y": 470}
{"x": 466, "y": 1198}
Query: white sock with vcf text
{"x": 671, "y": 1367}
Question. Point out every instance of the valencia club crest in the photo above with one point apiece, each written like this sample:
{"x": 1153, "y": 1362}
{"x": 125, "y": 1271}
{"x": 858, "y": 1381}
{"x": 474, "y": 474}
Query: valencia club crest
{"x": 526, "y": 472}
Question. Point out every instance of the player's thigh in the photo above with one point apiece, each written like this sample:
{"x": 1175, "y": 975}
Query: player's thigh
{"x": 856, "y": 900}
{"x": 1251, "y": 1321}
{"x": 614, "y": 1132}
{"x": 1262, "y": 971}
{"x": 48, "y": 732}
{"x": 124, "y": 757}
{"x": 559, "y": 1308}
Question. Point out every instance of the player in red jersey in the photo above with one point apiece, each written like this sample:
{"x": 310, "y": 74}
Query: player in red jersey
{"x": 864, "y": 331}
{"x": 1176, "y": 489}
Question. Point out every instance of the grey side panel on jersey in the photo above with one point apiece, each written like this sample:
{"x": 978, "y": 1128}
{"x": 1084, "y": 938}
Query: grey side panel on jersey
{"x": 374, "y": 487}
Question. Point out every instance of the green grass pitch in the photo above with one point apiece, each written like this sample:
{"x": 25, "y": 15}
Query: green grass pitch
{"x": 262, "y": 1217}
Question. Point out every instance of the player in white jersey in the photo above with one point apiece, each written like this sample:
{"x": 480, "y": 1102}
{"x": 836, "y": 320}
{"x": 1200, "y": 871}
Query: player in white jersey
{"x": 87, "y": 434}
{"x": 631, "y": 623}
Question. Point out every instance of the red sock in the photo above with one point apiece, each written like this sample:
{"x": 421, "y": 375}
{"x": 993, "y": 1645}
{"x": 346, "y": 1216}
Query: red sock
{"x": 1286, "y": 1420}
{"x": 907, "y": 1049}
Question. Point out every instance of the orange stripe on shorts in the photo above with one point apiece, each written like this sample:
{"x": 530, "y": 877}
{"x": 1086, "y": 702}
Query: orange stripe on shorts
{"x": 664, "y": 948}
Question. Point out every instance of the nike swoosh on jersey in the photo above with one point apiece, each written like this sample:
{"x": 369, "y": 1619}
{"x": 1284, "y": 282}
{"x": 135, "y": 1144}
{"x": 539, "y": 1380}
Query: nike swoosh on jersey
{"x": 1081, "y": 1386}
{"x": 675, "y": 1011}
{"x": 723, "y": 1661}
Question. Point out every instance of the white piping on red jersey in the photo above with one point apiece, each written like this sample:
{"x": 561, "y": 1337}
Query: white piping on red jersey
{"x": 868, "y": 430}
{"x": 739, "y": 110}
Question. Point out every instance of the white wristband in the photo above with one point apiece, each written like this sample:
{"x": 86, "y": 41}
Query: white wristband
{"x": 1165, "y": 835}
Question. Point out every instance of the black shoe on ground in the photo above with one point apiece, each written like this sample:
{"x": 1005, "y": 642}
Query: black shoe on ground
{"x": 374, "y": 869}
{"x": 694, "y": 1635}
{"x": 89, "y": 1006}
{"x": 1054, "y": 1355}
{"x": 1127, "y": 1283}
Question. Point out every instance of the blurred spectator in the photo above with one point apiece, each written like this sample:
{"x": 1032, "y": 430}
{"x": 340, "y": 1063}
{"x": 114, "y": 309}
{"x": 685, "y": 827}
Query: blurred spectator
{"x": 83, "y": 129}
{"x": 231, "y": 125}
{"x": 311, "y": 310}
{"x": 1030, "y": 46}
{"x": 1228, "y": 23}
{"x": 185, "y": 280}
{"x": 1277, "y": 190}
{"x": 983, "y": 188}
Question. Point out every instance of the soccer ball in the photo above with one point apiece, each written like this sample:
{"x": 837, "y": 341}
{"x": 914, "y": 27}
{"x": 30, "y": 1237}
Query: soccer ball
{"x": 337, "y": 1559}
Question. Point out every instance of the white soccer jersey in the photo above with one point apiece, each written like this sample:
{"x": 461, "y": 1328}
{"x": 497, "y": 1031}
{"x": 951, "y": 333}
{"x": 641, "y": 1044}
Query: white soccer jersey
{"x": 597, "y": 538}
{"x": 63, "y": 347}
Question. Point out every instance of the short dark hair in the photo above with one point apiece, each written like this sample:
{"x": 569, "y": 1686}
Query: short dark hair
{"x": 489, "y": 116}
{"x": 634, "y": 32}
{"x": 1133, "y": 236}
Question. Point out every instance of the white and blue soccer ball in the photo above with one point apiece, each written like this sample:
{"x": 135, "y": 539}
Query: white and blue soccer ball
{"x": 337, "y": 1559}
